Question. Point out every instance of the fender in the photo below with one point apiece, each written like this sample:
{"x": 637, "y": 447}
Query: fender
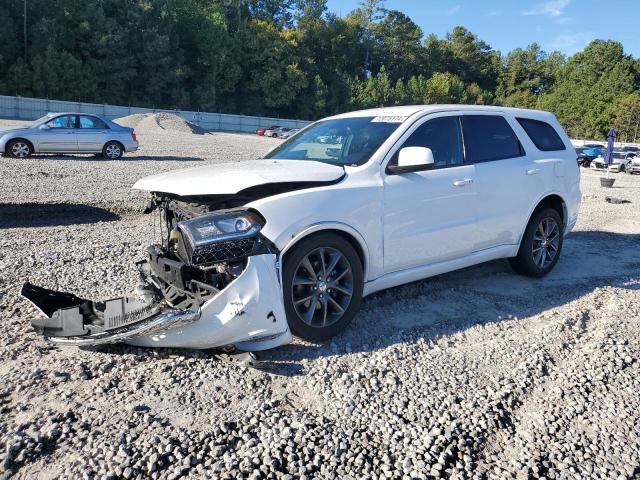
{"x": 318, "y": 227}
{"x": 535, "y": 205}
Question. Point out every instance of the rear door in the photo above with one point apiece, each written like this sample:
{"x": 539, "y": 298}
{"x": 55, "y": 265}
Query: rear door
{"x": 508, "y": 180}
{"x": 430, "y": 216}
{"x": 59, "y": 136}
{"x": 92, "y": 134}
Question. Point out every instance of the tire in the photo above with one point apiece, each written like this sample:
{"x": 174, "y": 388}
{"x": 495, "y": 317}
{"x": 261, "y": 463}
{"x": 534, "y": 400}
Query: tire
{"x": 19, "y": 148}
{"x": 112, "y": 150}
{"x": 320, "y": 306}
{"x": 537, "y": 256}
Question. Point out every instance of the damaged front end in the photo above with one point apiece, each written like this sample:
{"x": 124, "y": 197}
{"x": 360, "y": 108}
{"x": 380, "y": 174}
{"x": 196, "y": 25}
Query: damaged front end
{"x": 210, "y": 281}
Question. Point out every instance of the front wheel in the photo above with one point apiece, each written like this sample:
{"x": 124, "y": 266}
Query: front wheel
{"x": 18, "y": 149}
{"x": 112, "y": 151}
{"x": 541, "y": 244}
{"x": 322, "y": 285}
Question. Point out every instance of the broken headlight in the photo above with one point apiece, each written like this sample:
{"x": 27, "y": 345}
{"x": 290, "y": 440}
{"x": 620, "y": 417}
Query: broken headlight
{"x": 219, "y": 237}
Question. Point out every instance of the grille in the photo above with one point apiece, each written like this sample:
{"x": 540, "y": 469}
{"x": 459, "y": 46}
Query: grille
{"x": 225, "y": 251}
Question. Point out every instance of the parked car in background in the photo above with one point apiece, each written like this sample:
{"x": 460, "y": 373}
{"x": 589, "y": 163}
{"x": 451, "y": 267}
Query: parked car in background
{"x": 249, "y": 253}
{"x": 593, "y": 145}
{"x": 619, "y": 162}
{"x": 69, "y": 133}
{"x": 271, "y": 131}
{"x": 630, "y": 148}
{"x": 282, "y": 131}
{"x": 587, "y": 154}
{"x": 262, "y": 130}
{"x": 634, "y": 165}
{"x": 289, "y": 133}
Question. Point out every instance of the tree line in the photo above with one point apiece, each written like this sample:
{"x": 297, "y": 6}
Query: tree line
{"x": 295, "y": 59}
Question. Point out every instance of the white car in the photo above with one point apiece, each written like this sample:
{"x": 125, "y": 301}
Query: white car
{"x": 634, "y": 165}
{"x": 251, "y": 253}
{"x": 619, "y": 163}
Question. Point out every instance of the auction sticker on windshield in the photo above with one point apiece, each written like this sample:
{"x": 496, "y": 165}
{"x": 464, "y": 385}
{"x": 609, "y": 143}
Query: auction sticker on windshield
{"x": 389, "y": 119}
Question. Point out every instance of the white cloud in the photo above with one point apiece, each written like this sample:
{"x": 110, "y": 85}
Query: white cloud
{"x": 569, "y": 43}
{"x": 553, "y": 8}
{"x": 453, "y": 10}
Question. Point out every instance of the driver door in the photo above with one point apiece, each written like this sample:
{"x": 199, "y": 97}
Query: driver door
{"x": 59, "y": 136}
{"x": 430, "y": 216}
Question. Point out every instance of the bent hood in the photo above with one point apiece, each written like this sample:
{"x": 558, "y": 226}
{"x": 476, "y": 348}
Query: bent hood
{"x": 231, "y": 178}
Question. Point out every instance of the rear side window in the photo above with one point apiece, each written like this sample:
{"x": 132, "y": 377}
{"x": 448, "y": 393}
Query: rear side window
{"x": 92, "y": 122}
{"x": 543, "y": 135}
{"x": 489, "y": 137}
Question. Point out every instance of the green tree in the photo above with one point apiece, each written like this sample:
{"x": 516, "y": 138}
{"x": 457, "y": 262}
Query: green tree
{"x": 445, "y": 88}
{"x": 625, "y": 114}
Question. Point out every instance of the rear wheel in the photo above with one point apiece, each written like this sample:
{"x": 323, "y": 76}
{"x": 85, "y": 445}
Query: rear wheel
{"x": 541, "y": 244}
{"x": 112, "y": 151}
{"x": 322, "y": 284}
{"x": 19, "y": 149}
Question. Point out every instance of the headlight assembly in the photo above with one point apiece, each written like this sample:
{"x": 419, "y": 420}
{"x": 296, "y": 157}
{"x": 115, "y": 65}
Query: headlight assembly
{"x": 218, "y": 227}
{"x": 219, "y": 237}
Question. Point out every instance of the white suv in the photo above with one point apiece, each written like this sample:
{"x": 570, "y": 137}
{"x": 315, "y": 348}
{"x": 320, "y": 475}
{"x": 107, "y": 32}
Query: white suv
{"x": 250, "y": 253}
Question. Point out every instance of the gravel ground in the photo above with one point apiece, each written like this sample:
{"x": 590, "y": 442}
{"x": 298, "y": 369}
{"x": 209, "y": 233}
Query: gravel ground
{"x": 473, "y": 374}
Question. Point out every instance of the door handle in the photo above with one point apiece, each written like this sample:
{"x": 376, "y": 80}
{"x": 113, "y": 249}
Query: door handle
{"x": 533, "y": 171}
{"x": 462, "y": 183}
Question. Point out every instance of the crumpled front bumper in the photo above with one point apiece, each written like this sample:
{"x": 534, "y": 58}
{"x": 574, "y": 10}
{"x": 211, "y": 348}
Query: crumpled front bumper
{"x": 248, "y": 314}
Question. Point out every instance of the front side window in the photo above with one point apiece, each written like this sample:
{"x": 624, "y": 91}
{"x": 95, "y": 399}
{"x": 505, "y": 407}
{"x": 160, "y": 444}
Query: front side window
{"x": 489, "y": 137}
{"x": 543, "y": 135}
{"x": 65, "y": 121}
{"x": 341, "y": 141}
{"x": 91, "y": 122}
{"x": 442, "y": 136}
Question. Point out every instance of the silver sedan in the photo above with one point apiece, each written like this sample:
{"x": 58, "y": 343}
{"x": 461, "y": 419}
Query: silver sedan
{"x": 69, "y": 133}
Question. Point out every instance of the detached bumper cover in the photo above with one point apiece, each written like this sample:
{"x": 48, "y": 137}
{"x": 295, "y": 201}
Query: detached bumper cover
{"x": 71, "y": 320}
{"x": 248, "y": 313}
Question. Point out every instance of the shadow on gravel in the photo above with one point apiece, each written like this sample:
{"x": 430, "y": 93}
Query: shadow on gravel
{"x": 33, "y": 215}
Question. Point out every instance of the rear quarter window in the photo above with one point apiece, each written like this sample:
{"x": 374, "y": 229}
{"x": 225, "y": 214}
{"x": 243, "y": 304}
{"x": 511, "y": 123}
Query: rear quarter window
{"x": 543, "y": 135}
{"x": 488, "y": 138}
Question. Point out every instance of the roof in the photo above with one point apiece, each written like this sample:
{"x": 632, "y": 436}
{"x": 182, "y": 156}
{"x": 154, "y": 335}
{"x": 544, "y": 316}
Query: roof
{"x": 409, "y": 110}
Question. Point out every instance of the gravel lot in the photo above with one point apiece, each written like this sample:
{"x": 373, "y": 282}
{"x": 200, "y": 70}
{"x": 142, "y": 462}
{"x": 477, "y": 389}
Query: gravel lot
{"x": 474, "y": 374}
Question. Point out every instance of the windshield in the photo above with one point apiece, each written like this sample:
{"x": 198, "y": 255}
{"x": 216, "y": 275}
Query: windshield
{"x": 618, "y": 155}
{"x": 37, "y": 122}
{"x": 343, "y": 141}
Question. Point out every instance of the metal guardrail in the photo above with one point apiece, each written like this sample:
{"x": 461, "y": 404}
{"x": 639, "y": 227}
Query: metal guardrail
{"x": 24, "y": 108}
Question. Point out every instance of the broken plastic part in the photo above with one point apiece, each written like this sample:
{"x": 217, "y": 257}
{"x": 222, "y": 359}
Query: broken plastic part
{"x": 70, "y": 316}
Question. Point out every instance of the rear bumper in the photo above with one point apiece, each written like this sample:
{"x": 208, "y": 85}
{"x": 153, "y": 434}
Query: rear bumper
{"x": 131, "y": 146}
{"x": 248, "y": 314}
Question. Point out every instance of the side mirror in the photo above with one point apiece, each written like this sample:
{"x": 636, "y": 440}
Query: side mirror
{"x": 44, "y": 126}
{"x": 412, "y": 159}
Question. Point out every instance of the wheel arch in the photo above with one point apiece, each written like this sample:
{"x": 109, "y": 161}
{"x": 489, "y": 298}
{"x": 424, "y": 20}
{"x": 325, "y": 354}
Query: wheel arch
{"x": 345, "y": 231}
{"x": 549, "y": 200}
{"x": 26, "y": 140}
{"x": 114, "y": 140}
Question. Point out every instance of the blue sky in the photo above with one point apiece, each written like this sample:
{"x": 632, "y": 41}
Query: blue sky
{"x": 564, "y": 25}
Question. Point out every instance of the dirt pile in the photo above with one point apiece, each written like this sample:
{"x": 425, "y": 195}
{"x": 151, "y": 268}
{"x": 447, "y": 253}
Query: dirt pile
{"x": 159, "y": 123}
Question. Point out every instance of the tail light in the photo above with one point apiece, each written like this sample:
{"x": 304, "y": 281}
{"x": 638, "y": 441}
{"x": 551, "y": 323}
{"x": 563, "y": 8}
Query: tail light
{"x": 133, "y": 136}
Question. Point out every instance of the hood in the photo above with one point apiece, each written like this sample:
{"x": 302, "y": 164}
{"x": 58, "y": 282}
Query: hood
{"x": 11, "y": 129}
{"x": 231, "y": 178}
